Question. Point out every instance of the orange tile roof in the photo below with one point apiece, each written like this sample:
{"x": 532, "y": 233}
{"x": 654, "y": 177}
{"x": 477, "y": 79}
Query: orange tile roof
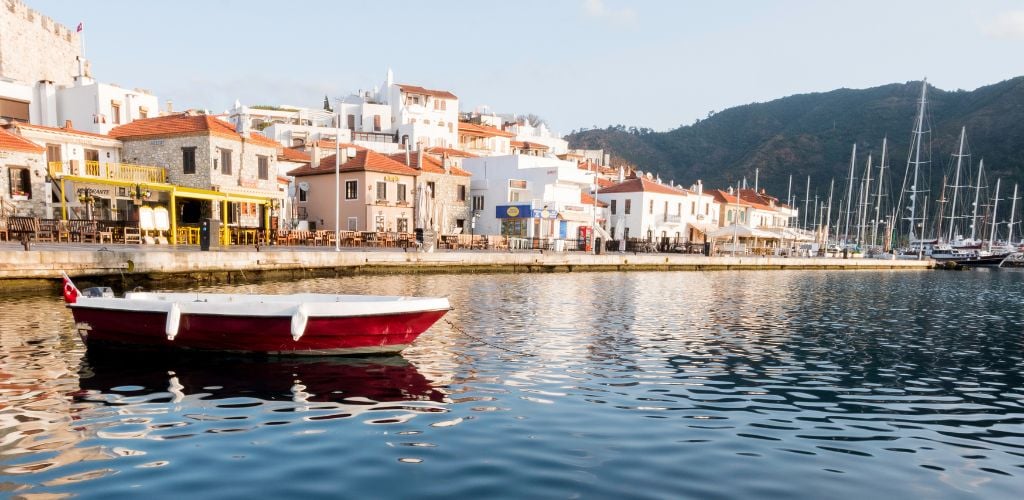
{"x": 61, "y": 130}
{"x": 641, "y": 184}
{"x": 450, "y": 152}
{"x": 295, "y": 155}
{"x": 528, "y": 145}
{"x": 482, "y": 130}
{"x": 175, "y": 125}
{"x": 730, "y": 199}
{"x": 603, "y": 183}
{"x": 262, "y": 140}
{"x": 364, "y": 160}
{"x": 12, "y": 142}
{"x": 414, "y": 89}
{"x": 586, "y": 199}
{"x": 430, "y": 164}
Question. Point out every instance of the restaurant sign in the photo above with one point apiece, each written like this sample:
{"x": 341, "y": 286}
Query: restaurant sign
{"x": 513, "y": 211}
{"x": 543, "y": 213}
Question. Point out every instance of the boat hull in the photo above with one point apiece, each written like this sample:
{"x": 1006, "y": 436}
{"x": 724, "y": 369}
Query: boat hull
{"x": 341, "y": 335}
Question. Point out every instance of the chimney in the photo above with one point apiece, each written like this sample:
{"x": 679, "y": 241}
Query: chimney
{"x": 315, "y": 156}
{"x": 622, "y": 174}
{"x": 242, "y": 126}
{"x": 407, "y": 161}
{"x": 419, "y": 159}
{"x": 67, "y": 124}
{"x": 170, "y": 106}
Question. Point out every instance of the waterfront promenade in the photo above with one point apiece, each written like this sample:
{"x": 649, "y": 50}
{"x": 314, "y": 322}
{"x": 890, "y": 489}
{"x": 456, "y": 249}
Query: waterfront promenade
{"x": 29, "y": 269}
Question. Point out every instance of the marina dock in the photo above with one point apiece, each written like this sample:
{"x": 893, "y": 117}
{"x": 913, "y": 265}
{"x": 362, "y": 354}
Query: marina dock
{"x": 41, "y": 265}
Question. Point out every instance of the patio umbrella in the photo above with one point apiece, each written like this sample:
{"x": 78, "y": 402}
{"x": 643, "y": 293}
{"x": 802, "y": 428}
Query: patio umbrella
{"x": 423, "y": 207}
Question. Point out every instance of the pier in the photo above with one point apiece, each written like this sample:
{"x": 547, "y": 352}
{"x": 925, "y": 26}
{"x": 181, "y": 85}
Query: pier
{"x": 41, "y": 265}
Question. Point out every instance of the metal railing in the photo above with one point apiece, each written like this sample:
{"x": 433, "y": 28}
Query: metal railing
{"x": 114, "y": 171}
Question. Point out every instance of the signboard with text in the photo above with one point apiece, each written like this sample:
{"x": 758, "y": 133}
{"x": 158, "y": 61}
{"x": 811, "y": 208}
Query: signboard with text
{"x": 513, "y": 211}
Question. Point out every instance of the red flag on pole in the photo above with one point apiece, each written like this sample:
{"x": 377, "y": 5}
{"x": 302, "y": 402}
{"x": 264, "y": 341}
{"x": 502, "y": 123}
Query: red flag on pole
{"x": 79, "y": 29}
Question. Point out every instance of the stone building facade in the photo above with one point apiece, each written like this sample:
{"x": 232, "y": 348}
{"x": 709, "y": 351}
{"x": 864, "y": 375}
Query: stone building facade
{"x": 23, "y": 186}
{"x": 34, "y": 47}
{"x": 203, "y": 152}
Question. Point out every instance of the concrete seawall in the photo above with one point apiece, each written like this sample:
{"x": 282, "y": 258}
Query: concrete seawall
{"x": 20, "y": 269}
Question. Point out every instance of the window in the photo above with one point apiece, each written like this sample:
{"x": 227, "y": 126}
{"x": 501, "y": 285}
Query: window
{"x": 21, "y": 183}
{"x": 351, "y": 122}
{"x": 625, "y": 233}
{"x": 666, "y": 209}
{"x": 376, "y": 123}
{"x": 382, "y": 191}
{"x": 401, "y": 192}
{"x": 679, "y": 209}
{"x": 516, "y": 184}
{"x": 513, "y": 196}
{"x": 351, "y": 190}
{"x": 627, "y": 207}
{"x": 302, "y": 195}
{"x": 693, "y": 208}
{"x": 53, "y": 154}
{"x": 478, "y": 203}
{"x": 115, "y": 113}
{"x": 444, "y": 105}
{"x": 614, "y": 207}
{"x": 353, "y": 223}
{"x": 14, "y": 110}
{"x": 433, "y": 189}
{"x": 462, "y": 192}
{"x": 188, "y": 160}
{"x": 263, "y": 167}
{"x": 143, "y": 113}
{"x": 225, "y": 161}
{"x": 650, "y": 207}
{"x": 402, "y": 225}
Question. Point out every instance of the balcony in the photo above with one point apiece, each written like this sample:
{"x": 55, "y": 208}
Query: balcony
{"x": 105, "y": 170}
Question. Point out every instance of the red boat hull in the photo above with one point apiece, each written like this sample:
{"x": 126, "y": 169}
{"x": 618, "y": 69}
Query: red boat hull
{"x": 323, "y": 335}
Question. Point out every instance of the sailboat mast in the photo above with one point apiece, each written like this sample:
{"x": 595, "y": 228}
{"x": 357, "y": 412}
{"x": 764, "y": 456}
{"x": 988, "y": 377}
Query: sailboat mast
{"x": 828, "y": 216}
{"x": 995, "y": 208}
{"x": 956, "y": 183}
{"x": 864, "y": 201}
{"x": 849, "y": 196}
{"x": 977, "y": 196}
{"x": 807, "y": 201}
{"x": 918, "y": 132}
{"x": 878, "y": 201}
{"x": 1013, "y": 211}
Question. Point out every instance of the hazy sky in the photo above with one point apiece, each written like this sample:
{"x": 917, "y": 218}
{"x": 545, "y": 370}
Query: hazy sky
{"x": 577, "y": 63}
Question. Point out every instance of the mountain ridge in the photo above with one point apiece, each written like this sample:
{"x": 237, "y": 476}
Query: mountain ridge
{"x": 812, "y": 134}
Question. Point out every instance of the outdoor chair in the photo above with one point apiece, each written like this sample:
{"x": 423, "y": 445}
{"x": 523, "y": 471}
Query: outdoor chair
{"x": 132, "y": 235}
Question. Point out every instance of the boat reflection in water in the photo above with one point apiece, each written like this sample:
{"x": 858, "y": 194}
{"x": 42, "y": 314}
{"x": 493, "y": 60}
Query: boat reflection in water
{"x": 382, "y": 379}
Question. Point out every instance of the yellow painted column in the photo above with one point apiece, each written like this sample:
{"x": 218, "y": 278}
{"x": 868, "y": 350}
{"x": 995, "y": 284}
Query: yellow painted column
{"x": 225, "y": 234}
{"x": 174, "y": 219}
{"x": 266, "y": 220}
{"x": 63, "y": 202}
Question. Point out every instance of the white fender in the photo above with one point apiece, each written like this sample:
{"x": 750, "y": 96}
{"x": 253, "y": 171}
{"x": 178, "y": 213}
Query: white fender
{"x": 173, "y": 320}
{"x": 299, "y": 319}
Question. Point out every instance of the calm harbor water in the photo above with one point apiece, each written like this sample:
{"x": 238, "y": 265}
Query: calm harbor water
{"x": 787, "y": 384}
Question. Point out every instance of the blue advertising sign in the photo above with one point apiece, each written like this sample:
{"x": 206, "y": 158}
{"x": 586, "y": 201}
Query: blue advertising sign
{"x": 512, "y": 211}
{"x": 540, "y": 213}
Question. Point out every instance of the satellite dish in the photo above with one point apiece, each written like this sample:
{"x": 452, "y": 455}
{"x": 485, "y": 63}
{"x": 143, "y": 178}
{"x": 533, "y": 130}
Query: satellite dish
{"x": 304, "y": 186}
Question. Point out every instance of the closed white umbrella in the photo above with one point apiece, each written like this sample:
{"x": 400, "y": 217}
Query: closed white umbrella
{"x": 423, "y": 208}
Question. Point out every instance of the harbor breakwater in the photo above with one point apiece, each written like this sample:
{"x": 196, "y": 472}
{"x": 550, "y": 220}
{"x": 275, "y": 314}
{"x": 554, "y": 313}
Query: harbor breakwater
{"x": 132, "y": 266}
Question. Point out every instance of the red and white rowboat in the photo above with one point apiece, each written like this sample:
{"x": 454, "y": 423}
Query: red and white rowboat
{"x": 305, "y": 323}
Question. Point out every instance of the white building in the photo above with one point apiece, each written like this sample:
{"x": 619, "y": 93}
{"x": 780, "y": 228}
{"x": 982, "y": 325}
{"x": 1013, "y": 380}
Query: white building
{"x": 532, "y": 197}
{"x": 539, "y": 134}
{"x": 98, "y": 107}
{"x": 643, "y": 208}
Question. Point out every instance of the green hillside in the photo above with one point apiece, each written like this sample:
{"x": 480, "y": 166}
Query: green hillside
{"x": 812, "y": 134}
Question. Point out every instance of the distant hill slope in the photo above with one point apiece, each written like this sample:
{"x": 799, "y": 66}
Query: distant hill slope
{"x": 811, "y": 134}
